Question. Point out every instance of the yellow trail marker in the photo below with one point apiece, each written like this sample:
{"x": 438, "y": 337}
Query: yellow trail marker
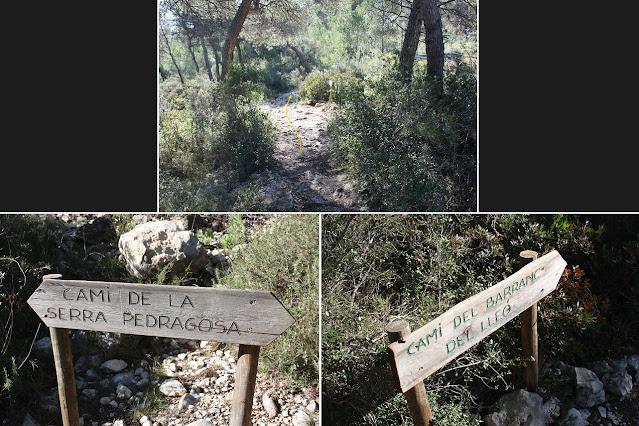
{"x": 289, "y": 120}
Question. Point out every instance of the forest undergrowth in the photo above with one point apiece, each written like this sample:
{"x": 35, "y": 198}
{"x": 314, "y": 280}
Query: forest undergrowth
{"x": 378, "y": 268}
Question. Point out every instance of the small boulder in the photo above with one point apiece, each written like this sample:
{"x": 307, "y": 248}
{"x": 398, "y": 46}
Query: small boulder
{"x": 93, "y": 374}
{"x": 172, "y": 387}
{"x": 520, "y": 408}
{"x": 44, "y": 345}
{"x": 619, "y": 382}
{"x": 575, "y": 418}
{"x": 95, "y": 360}
{"x": 29, "y": 421}
{"x": 633, "y": 363}
{"x": 187, "y": 400}
{"x": 601, "y": 367}
{"x": 618, "y": 364}
{"x": 602, "y": 411}
{"x": 80, "y": 366}
{"x": 123, "y": 392}
{"x": 126, "y": 379}
{"x": 270, "y": 404}
{"x": 590, "y": 390}
{"x": 553, "y": 408}
{"x": 113, "y": 366}
{"x": 149, "y": 247}
{"x": 89, "y": 393}
{"x": 301, "y": 418}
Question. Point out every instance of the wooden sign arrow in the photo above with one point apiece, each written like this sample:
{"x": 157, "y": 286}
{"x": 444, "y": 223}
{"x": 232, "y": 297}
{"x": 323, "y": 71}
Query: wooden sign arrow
{"x": 250, "y": 317}
{"x": 429, "y": 348}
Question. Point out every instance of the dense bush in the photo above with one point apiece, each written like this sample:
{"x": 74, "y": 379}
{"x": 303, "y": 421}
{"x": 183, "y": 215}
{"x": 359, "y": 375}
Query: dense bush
{"x": 377, "y": 268}
{"x": 286, "y": 262}
{"x": 423, "y": 134}
{"x": 31, "y": 247}
{"x": 211, "y": 136}
{"x": 316, "y": 87}
{"x": 250, "y": 138}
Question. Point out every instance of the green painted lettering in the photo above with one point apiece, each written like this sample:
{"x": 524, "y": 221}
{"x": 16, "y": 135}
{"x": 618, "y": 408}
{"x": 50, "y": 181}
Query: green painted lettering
{"x": 408, "y": 350}
{"x": 489, "y": 302}
{"x": 457, "y": 321}
{"x": 428, "y": 336}
{"x": 420, "y": 344}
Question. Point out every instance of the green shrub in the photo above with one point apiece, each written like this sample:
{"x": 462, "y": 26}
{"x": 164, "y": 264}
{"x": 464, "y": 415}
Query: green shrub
{"x": 235, "y": 232}
{"x": 211, "y": 137}
{"x": 425, "y": 138}
{"x": 286, "y": 261}
{"x": 316, "y": 88}
{"x": 250, "y": 137}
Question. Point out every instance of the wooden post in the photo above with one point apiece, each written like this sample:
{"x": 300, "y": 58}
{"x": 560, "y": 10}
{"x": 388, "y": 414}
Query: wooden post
{"x": 245, "y": 378}
{"x": 529, "y": 340}
{"x": 416, "y": 396}
{"x": 64, "y": 371}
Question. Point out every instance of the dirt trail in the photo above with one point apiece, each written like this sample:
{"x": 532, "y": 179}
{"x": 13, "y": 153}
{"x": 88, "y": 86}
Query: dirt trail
{"x": 308, "y": 181}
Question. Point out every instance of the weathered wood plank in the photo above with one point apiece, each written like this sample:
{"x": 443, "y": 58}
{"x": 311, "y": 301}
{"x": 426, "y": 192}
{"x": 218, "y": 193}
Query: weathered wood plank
{"x": 429, "y": 348}
{"x": 252, "y": 317}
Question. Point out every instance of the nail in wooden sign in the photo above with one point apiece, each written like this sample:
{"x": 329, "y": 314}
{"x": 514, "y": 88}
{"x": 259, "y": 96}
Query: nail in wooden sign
{"x": 429, "y": 348}
{"x": 250, "y": 317}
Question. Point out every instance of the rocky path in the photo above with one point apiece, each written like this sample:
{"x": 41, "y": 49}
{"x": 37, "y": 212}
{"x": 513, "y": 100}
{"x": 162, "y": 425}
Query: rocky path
{"x": 199, "y": 389}
{"x": 192, "y": 386}
{"x": 308, "y": 181}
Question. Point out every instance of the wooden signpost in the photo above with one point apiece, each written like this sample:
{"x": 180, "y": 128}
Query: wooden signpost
{"x": 252, "y": 318}
{"x": 417, "y": 355}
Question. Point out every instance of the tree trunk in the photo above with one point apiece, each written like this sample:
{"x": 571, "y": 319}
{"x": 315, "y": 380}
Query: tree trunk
{"x": 239, "y": 53}
{"x": 434, "y": 39}
{"x": 168, "y": 46}
{"x": 232, "y": 35}
{"x": 206, "y": 59}
{"x": 214, "y": 45}
{"x": 190, "y": 46}
{"x": 411, "y": 40}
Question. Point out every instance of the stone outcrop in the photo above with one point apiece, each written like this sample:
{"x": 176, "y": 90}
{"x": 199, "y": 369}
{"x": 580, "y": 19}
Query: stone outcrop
{"x": 589, "y": 389}
{"x": 520, "y": 408}
{"x": 151, "y": 246}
